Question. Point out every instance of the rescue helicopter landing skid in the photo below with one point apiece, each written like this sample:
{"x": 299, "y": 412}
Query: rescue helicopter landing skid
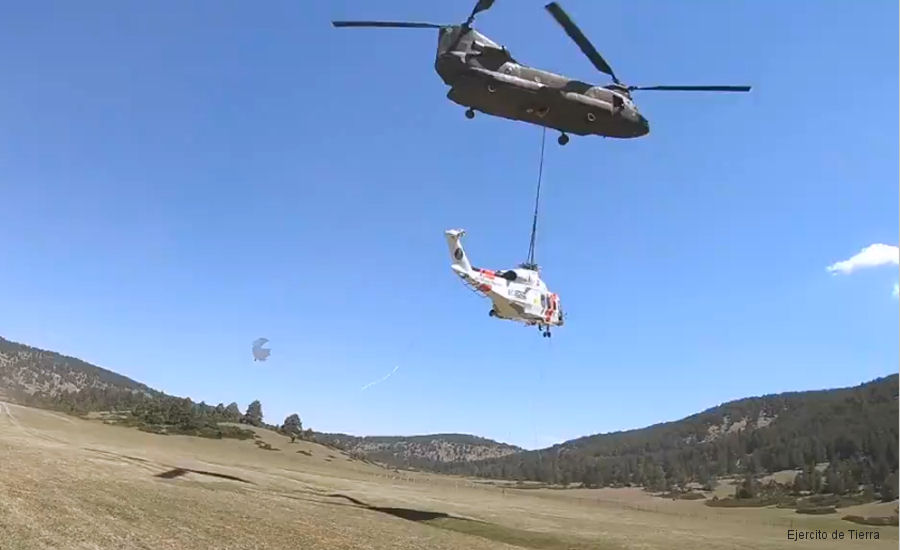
{"x": 516, "y": 294}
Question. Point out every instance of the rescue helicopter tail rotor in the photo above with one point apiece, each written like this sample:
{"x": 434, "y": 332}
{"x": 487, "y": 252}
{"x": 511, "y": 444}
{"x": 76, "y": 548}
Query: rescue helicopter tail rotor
{"x": 597, "y": 60}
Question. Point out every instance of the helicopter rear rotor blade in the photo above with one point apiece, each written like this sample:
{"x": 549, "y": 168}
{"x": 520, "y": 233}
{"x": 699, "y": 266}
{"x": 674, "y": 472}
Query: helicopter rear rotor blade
{"x": 387, "y": 24}
{"x": 580, "y": 39}
{"x": 693, "y": 88}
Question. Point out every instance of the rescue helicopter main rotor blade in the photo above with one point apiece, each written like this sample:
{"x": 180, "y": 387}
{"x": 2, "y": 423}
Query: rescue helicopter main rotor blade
{"x": 580, "y": 39}
{"x": 693, "y": 88}
{"x": 387, "y": 24}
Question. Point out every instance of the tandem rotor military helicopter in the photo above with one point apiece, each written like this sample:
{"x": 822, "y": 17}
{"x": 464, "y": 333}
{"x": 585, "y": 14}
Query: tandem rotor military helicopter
{"x": 483, "y": 76}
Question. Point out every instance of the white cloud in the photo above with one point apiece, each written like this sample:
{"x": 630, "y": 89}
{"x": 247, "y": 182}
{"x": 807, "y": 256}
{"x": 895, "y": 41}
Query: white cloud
{"x": 870, "y": 256}
{"x": 896, "y": 291}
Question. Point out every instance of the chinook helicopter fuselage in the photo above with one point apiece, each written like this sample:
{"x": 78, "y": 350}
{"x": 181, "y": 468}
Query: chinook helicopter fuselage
{"x": 484, "y": 76}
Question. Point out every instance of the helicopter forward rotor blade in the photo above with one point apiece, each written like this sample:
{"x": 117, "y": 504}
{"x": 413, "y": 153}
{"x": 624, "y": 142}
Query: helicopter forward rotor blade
{"x": 389, "y": 24}
{"x": 694, "y": 88}
{"x": 482, "y": 5}
{"x": 580, "y": 39}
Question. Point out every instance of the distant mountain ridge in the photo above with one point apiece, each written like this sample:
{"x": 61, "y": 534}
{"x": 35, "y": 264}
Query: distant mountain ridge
{"x": 36, "y": 375}
{"x": 31, "y": 370}
{"x": 854, "y": 430}
{"x": 419, "y": 451}
{"x": 762, "y": 434}
{"x": 750, "y": 414}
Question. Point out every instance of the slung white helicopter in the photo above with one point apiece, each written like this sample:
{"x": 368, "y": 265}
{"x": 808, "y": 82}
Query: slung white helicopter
{"x": 516, "y": 294}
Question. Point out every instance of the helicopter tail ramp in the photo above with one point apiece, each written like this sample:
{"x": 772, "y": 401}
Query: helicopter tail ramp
{"x": 461, "y": 264}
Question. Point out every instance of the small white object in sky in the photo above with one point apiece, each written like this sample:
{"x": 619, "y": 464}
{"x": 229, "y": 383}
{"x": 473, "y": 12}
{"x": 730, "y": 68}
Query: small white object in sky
{"x": 379, "y": 381}
{"x": 896, "y": 291}
{"x": 259, "y": 352}
{"x": 870, "y": 256}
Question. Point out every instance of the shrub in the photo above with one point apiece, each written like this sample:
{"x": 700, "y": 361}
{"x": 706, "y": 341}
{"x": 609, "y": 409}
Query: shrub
{"x": 236, "y": 433}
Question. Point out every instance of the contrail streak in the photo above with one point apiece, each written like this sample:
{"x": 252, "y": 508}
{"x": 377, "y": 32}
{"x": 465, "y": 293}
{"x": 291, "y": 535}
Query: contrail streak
{"x": 379, "y": 381}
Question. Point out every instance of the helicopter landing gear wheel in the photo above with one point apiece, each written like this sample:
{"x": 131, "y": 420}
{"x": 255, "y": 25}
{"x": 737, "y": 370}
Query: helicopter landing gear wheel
{"x": 492, "y": 313}
{"x": 470, "y": 113}
{"x": 562, "y": 139}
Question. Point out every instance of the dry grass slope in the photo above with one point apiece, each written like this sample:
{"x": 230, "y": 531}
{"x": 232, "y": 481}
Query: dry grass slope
{"x": 72, "y": 483}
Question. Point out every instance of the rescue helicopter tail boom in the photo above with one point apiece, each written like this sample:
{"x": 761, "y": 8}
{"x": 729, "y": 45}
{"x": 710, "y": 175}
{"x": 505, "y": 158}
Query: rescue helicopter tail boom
{"x": 461, "y": 264}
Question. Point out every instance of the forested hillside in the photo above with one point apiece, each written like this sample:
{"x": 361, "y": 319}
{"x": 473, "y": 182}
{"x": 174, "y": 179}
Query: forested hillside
{"x": 850, "y": 432}
{"x": 421, "y": 451}
{"x": 854, "y": 430}
{"x": 28, "y": 370}
{"x": 41, "y": 378}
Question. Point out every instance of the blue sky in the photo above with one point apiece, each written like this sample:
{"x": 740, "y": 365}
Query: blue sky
{"x": 178, "y": 180}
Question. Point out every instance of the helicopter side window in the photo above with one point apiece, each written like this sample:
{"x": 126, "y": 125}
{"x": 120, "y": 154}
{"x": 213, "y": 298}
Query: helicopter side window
{"x": 489, "y": 56}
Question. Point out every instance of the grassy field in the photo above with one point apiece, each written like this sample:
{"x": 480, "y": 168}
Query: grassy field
{"x": 72, "y": 483}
